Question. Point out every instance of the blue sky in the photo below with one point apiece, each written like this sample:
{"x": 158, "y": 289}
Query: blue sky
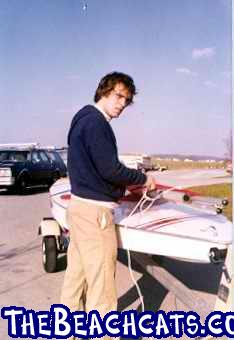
{"x": 53, "y": 53}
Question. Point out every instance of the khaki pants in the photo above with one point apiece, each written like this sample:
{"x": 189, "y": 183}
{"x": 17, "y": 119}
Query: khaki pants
{"x": 89, "y": 282}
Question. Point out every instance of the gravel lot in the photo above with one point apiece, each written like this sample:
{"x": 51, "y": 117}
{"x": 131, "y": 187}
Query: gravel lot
{"x": 25, "y": 283}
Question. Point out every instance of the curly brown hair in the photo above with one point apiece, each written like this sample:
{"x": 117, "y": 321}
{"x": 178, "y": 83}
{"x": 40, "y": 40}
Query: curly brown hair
{"x": 108, "y": 82}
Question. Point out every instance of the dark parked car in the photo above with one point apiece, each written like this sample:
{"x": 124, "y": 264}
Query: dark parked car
{"x": 20, "y": 168}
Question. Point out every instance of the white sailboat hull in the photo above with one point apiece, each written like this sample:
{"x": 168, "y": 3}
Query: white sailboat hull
{"x": 169, "y": 228}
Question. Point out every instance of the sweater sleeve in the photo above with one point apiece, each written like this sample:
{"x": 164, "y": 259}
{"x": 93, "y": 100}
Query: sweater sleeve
{"x": 103, "y": 152}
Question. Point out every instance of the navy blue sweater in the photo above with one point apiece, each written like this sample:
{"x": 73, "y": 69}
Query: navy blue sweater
{"x": 94, "y": 168}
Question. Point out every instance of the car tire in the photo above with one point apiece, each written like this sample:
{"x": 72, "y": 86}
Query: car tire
{"x": 49, "y": 253}
{"x": 22, "y": 184}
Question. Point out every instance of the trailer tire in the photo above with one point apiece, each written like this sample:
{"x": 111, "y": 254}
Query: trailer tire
{"x": 49, "y": 253}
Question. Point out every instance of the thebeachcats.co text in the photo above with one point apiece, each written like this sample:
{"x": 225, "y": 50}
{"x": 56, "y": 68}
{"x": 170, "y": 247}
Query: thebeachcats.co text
{"x": 60, "y": 323}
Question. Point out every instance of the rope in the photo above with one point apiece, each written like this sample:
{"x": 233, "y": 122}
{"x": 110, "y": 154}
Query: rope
{"x": 141, "y": 203}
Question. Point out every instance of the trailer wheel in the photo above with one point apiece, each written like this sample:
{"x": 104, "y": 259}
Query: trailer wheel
{"x": 49, "y": 253}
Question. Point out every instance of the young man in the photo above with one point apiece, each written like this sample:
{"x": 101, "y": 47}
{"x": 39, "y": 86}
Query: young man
{"x": 98, "y": 181}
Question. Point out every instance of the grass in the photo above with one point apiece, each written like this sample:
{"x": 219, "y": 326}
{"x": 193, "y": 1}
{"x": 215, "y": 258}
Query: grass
{"x": 180, "y": 164}
{"x": 220, "y": 191}
{"x": 216, "y": 190}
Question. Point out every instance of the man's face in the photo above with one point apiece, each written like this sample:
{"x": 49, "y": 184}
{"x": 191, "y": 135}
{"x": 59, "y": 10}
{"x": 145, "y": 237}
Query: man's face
{"x": 115, "y": 102}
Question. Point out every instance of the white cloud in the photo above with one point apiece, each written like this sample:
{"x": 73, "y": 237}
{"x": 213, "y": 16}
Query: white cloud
{"x": 210, "y": 84}
{"x": 207, "y": 52}
{"x": 186, "y": 71}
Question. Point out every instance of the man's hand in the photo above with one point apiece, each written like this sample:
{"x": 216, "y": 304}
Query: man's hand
{"x": 150, "y": 182}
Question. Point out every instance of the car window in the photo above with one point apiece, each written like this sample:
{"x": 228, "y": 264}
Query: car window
{"x": 35, "y": 157}
{"x": 58, "y": 157}
{"x": 44, "y": 156}
{"x": 55, "y": 156}
{"x": 20, "y": 156}
{"x": 17, "y": 156}
{"x": 3, "y": 156}
{"x": 52, "y": 156}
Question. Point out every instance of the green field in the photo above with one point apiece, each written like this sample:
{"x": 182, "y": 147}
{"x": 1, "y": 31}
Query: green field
{"x": 220, "y": 191}
{"x": 180, "y": 164}
{"x": 217, "y": 190}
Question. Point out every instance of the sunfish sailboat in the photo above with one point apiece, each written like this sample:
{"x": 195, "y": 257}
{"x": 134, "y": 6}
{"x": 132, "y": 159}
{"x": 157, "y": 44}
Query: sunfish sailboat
{"x": 172, "y": 226}
{"x": 172, "y": 223}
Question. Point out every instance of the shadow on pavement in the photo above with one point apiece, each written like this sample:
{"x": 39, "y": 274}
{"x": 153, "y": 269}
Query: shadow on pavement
{"x": 198, "y": 277}
{"x": 202, "y": 279}
{"x": 153, "y": 292}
